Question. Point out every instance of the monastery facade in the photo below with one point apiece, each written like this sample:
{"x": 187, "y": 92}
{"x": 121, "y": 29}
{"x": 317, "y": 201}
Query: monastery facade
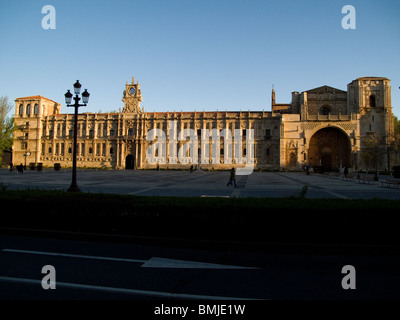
{"x": 323, "y": 127}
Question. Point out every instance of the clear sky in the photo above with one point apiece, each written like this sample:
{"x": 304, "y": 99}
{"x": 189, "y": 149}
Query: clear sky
{"x": 192, "y": 54}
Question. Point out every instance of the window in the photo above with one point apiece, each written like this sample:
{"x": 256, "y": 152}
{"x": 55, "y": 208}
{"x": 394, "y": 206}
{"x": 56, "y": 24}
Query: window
{"x": 21, "y": 110}
{"x": 221, "y": 152}
{"x": 90, "y": 150}
{"x": 372, "y": 103}
{"x": 267, "y": 134}
{"x": 50, "y": 150}
{"x": 112, "y": 132}
{"x": 111, "y": 150}
{"x": 267, "y": 152}
{"x": 28, "y": 110}
{"x": 69, "y": 150}
{"x": 325, "y": 110}
{"x": 36, "y": 109}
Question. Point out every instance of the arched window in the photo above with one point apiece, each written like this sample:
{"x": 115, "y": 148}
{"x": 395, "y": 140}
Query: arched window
{"x": 36, "y": 109}
{"x": 325, "y": 110}
{"x": 28, "y": 110}
{"x": 21, "y": 110}
{"x": 372, "y": 103}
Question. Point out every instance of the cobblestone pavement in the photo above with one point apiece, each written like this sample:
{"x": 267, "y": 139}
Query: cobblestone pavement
{"x": 198, "y": 183}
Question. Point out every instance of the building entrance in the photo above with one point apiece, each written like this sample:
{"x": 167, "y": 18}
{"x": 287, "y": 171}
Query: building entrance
{"x": 129, "y": 162}
{"x": 329, "y": 149}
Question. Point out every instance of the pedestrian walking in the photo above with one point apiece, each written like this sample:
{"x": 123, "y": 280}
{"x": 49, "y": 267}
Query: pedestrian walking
{"x": 232, "y": 178}
{"x": 20, "y": 168}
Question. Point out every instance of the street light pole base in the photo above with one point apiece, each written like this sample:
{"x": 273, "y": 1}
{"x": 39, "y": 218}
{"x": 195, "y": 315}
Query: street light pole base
{"x": 74, "y": 188}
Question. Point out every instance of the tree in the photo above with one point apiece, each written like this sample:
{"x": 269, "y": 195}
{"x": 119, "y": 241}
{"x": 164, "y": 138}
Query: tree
{"x": 370, "y": 152}
{"x": 7, "y": 126}
{"x": 394, "y": 142}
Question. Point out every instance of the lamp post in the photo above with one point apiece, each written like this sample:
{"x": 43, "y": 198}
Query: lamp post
{"x": 68, "y": 98}
{"x": 26, "y": 155}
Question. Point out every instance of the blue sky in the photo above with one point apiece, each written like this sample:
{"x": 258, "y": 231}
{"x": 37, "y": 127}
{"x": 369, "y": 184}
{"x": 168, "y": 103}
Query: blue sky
{"x": 191, "y": 54}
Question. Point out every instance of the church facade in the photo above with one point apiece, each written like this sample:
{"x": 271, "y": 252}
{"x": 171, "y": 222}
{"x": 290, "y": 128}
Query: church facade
{"x": 326, "y": 128}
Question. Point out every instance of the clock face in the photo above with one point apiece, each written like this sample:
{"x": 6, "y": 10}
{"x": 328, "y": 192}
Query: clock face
{"x": 132, "y": 91}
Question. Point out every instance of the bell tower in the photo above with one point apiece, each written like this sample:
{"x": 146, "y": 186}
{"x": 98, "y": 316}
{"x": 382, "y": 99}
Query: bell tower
{"x": 132, "y": 97}
{"x": 370, "y": 97}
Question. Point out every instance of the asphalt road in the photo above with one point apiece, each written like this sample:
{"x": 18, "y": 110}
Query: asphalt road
{"x": 115, "y": 271}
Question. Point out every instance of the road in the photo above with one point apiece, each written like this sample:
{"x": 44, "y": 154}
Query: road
{"x": 101, "y": 270}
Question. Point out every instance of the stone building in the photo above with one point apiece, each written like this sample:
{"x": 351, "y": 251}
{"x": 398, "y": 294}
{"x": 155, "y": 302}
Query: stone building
{"x": 323, "y": 127}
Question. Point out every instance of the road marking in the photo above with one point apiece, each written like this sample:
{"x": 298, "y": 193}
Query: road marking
{"x": 74, "y": 255}
{"x": 123, "y": 290}
{"x": 141, "y": 191}
{"x": 154, "y": 262}
{"x": 183, "y": 264}
{"x": 212, "y": 196}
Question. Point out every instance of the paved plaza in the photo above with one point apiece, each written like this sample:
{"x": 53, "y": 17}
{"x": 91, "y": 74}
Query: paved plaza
{"x": 197, "y": 184}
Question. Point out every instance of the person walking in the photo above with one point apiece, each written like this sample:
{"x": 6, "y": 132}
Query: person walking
{"x": 232, "y": 178}
{"x": 345, "y": 171}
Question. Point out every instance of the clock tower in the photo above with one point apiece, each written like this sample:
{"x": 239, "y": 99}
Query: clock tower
{"x": 132, "y": 97}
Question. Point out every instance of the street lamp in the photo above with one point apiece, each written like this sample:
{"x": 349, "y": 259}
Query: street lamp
{"x": 27, "y": 154}
{"x": 68, "y": 99}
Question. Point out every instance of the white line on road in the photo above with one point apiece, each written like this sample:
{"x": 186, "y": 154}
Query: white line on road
{"x": 184, "y": 264}
{"x": 169, "y": 295}
{"x": 74, "y": 255}
{"x": 154, "y": 262}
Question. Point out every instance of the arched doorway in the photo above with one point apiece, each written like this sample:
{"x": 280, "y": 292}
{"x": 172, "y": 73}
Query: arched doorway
{"x": 329, "y": 149}
{"x": 129, "y": 162}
